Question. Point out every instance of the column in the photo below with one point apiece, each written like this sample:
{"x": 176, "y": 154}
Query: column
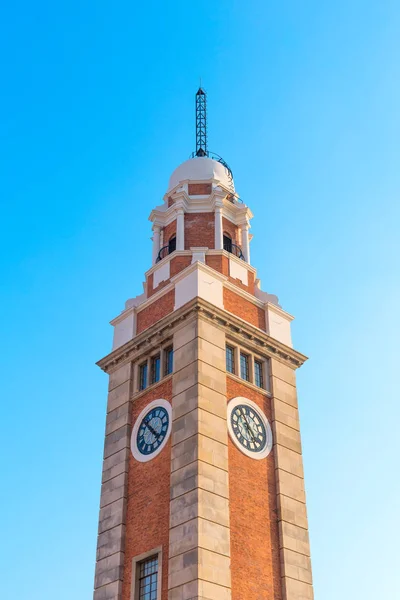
{"x": 245, "y": 242}
{"x": 180, "y": 229}
{"x": 156, "y": 242}
{"x": 218, "y": 228}
{"x": 109, "y": 574}
{"x": 199, "y": 551}
{"x": 292, "y": 513}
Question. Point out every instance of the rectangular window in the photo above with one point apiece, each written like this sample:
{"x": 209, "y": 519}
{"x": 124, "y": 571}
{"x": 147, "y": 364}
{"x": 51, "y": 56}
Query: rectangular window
{"x": 244, "y": 366}
{"x": 148, "y": 575}
{"x": 155, "y": 368}
{"x": 169, "y": 360}
{"x": 143, "y": 376}
{"x": 258, "y": 373}
{"x": 230, "y": 359}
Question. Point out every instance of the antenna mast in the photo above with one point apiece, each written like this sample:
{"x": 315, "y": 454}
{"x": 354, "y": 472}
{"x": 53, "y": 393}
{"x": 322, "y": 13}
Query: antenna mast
{"x": 201, "y": 123}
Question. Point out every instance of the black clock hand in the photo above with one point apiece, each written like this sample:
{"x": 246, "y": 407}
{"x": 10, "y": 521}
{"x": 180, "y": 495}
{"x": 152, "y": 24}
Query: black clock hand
{"x": 153, "y": 431}
{"x": 247, "y": 425}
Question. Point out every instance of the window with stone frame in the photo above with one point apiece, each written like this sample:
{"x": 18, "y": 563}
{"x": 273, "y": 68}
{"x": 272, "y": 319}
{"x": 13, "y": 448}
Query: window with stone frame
{"x": 258, "y": 373}
{"x": 143, "y": 376}
{"x": 169, "y": 360}
{"x": 244, "y": 366}
{"x": 147, "y": 573}
{"x": 155, "y": 368}
{"x": 230, "y": 359}
{"x": 248, "y": 366}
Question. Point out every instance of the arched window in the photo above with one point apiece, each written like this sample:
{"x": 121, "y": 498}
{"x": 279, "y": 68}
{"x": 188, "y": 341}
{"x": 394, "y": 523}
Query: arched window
{"x": 172, "y": 244}
{"x": 227, "y": 243}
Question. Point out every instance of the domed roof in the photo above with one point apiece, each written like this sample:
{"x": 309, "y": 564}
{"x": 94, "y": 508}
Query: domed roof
{"x": 201, "y": 169}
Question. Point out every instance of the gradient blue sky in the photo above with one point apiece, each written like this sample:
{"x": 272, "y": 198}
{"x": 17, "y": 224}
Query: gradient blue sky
{"x": 96, "y": 111}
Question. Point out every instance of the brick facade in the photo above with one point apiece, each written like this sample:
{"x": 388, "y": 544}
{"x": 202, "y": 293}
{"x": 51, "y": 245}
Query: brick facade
{"x": 255, "y": 558}
{"x": 199, "y": 189}
{"x": 179, "y": 263}
{"x": 147, "y": 520}
{"x": 219, "y": 263}
{"x": 231, "y": 230}
{"x": 168, "y": 232}
{"x": 244, "y": 309}
{"x": 156, "y": 311}
{"x": 199, "y": 230}
{"x": 150, "y": 289}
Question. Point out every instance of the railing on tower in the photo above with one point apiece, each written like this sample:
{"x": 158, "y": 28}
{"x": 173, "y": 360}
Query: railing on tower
{"x": 233, "y": 249}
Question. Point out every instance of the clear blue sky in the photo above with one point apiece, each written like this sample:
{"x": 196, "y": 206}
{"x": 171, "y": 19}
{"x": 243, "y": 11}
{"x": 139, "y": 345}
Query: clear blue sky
{"x": 96, "y": 110}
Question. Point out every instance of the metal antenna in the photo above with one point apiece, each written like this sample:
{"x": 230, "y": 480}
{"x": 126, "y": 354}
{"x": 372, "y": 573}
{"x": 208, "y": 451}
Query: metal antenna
{"x": 201, "y": 123}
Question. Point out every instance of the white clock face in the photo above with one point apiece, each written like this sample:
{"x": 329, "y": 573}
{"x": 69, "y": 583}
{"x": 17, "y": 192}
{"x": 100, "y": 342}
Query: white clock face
{"x": 249, "y": 428}
{"x": 151, "y": 430}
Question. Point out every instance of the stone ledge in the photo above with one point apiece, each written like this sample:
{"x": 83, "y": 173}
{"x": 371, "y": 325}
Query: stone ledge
{"x": 256, "y": 339}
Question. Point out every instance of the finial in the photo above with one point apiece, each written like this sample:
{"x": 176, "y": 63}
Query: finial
{"x": 201, "y": 122}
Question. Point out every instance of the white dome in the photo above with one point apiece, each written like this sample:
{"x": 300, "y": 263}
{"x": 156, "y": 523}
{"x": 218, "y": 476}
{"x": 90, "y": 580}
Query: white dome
{"x": 201, "y": 169}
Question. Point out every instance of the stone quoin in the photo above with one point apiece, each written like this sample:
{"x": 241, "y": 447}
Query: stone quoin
{"x": 202, "y": 494}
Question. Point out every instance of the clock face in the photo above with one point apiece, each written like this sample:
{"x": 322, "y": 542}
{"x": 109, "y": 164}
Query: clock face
{"x": 151, "y": 430}
{"x": 249, "y": 428}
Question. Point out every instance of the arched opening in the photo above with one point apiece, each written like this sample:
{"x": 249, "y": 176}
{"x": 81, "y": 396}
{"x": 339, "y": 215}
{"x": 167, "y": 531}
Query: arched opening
{"x": 227, "y": 243}
{"x": 172, "y": 244}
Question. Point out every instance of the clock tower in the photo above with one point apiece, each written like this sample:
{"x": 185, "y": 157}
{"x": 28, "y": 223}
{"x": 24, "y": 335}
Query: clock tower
{"x": 202, "y": 493}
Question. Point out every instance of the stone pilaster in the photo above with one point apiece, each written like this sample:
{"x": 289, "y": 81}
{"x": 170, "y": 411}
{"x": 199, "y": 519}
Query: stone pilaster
{"x": 199, "y": 552}
{"x": 111, "y": 533}
{"x": 293, "y": 525}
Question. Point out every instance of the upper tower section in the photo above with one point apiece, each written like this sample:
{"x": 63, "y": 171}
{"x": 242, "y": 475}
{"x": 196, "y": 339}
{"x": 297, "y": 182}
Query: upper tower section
{"x": 201, "y": 209}
{"x": 201, "y": 249}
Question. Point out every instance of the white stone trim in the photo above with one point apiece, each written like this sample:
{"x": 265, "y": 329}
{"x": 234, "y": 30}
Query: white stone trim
{"x": 236, "y": 212}
{"x": 161, "y": 273}
{"x": 135, "y": 451}
{"x": 239, "y": 271}
{"x": 268, "y": 447}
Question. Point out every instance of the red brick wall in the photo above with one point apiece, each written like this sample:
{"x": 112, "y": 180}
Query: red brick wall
{"x": 179, "y": 263}
{"x": 255, "y": 561}
{"x": 156, "y": 311}
{"x": 150, "y": 288}
{"x": 199, "y": 230}
{"x": 147, "y": 521}
{"x": 244, "y": 309}
{"x": 199, "y": 189}
{"x": 219, "y": 263}
{"x": 229, "y": 228}
{"x": 168, "y": 231}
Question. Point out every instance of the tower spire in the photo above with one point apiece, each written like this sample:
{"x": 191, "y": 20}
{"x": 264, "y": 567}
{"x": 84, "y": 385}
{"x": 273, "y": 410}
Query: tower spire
{"x": 201, "y": 122}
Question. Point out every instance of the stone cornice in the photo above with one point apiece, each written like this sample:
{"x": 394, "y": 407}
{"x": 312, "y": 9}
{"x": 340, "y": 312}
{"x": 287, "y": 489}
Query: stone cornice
{"x": 245, "y": 333}
{"x": 237, "y": 213}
